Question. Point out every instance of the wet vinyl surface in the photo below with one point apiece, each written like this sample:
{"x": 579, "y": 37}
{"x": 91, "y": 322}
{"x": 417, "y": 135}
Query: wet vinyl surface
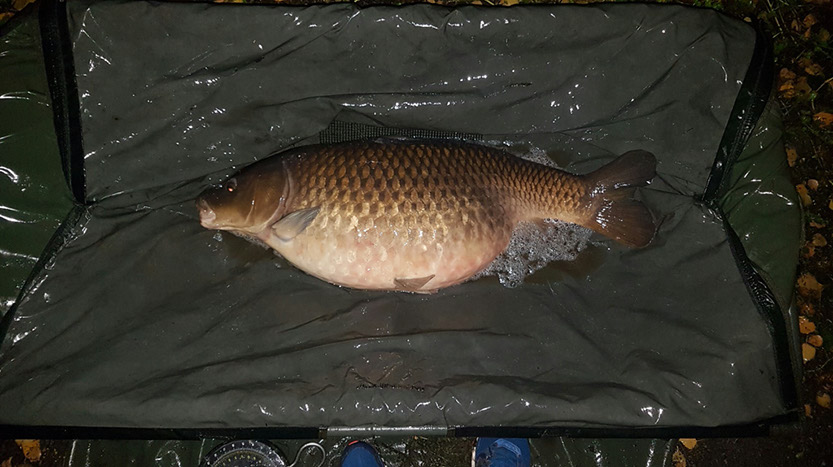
{"x": 144, "y": 319}
{"x": 34, "y": 196}
{"x": 394, "y": 451}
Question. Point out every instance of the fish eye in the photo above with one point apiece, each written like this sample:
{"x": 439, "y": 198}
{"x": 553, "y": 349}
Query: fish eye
{"x": 231, "y": 184}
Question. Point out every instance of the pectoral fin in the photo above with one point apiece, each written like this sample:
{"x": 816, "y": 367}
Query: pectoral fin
{"x": 293, "y": 224}
{"x": 412, "y": 284}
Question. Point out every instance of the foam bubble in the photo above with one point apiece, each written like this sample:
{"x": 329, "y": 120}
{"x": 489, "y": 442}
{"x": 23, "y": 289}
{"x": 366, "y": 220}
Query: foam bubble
{"x": 539, "y": 156}
{"x": 534, "y": 246}
{"x": 533, "y": 154}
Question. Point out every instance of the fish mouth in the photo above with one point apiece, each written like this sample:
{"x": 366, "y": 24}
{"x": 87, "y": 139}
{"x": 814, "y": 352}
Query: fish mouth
{"x": 207, "y": 215}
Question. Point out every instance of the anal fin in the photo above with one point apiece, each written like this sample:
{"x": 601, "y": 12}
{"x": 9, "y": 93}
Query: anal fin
{"x": 413, "y": 284}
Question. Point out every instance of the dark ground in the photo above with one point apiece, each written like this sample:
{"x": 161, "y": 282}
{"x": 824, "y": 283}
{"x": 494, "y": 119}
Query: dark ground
{"x": 801, "y": 31}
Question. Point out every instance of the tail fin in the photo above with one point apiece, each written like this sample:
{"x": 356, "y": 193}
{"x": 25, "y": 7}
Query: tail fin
{"x": 632, "y": 168}
{"x": 617, "y": 215}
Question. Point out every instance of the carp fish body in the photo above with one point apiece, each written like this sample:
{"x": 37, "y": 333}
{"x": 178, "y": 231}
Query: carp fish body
{"x": 416, "y": 215}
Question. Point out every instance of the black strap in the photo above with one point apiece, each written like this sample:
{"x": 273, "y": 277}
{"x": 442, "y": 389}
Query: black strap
{"x": 747, "y": 110}
{"x": 60, "y": 73}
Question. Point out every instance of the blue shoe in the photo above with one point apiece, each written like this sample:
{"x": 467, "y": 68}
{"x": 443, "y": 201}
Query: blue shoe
{"x": 502, "y": 452}
{"x": 360, "y": 454}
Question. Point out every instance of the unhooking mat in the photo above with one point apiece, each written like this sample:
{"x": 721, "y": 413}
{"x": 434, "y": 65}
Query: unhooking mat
{"x": 135, "y": 317}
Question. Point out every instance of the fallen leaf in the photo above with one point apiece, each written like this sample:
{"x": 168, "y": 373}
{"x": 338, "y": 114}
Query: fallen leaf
{"x": 30, "y": 448}
{"x": 809, "y": 21}
{"x": 803, "y": 194}
{"x": 7, "y": 463}
{"x": 808, "y": 352}
{"x": 795, "y": 25}
{"x": 787, "y": 89}
{"x": 813, "y": 184}
{"x": 805, "y": 326}
{"x": 830, "y": 205}
{"x": 786, "y": 74}
{"x": 678, "y": 458}
{"x": 816, "y": 224}
{"x": 815, "y": 340}
{"x": 823, "y": 400}
{"x": 824, "y": 119}
{"x": 808, "y": 286}
{"x": 810, "y": 67}
{"x": 808, "y": 251}
{"x": 807, "y": 309}
{"x": 819, "y": 240}
{"x": 808, "y": 410}
{"x": 792, "y": 156}
{"x": 824, "y": 35}
{"x": 689, "y": 443}
{"x": 814, "y": 69}
{"x": 801, "y": 86}
{"x": 786, "y": 86}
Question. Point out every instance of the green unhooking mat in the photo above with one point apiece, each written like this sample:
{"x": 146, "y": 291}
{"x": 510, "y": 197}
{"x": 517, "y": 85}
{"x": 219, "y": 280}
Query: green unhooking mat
{"x": 135, "y": 317}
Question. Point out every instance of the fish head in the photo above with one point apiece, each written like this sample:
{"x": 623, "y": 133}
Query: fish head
{"x": 248, "y": 203}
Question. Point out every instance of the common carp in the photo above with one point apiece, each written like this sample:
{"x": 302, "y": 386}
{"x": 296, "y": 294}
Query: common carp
{"x": 417, "y": 215}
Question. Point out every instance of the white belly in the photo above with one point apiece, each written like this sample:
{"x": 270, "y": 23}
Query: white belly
{"x": 353, "y": 261}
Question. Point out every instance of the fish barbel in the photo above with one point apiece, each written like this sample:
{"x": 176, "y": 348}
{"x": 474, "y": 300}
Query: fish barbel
{"x": 416, "y": 215}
